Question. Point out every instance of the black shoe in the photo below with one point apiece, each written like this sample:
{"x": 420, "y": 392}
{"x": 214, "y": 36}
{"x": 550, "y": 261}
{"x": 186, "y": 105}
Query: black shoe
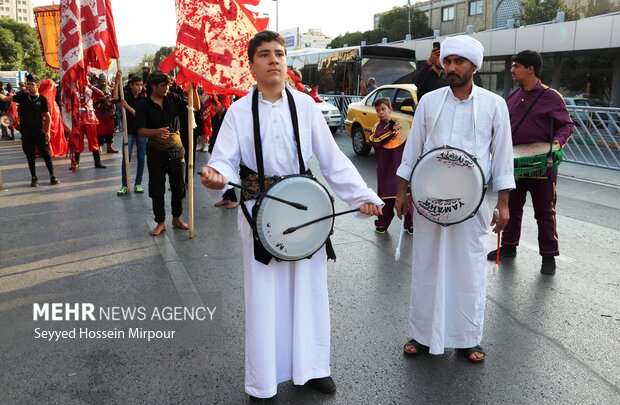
{"x": 54, "y": 180}
{"x": 548, "y": 266}
{"x": 100, "y": 166}
{"x": 256, "y": 400}
{"x": 34, "y": 182}
{"x": 325, "y": 385}
{"x": 504, "y": 253}
{"x": 380, "y": 229}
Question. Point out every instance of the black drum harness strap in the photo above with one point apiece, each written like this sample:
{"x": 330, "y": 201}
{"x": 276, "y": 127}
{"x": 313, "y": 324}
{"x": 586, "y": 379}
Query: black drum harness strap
{"x": 260, "y": 254}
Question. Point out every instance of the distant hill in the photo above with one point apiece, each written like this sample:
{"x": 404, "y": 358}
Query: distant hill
{"x": 131, "y": 55}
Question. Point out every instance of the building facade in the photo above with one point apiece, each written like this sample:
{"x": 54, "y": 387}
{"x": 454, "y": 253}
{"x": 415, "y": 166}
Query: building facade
{"x": 18, "y": 10}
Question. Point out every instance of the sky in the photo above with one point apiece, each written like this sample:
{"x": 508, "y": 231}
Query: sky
{"x": 153, "y": 21}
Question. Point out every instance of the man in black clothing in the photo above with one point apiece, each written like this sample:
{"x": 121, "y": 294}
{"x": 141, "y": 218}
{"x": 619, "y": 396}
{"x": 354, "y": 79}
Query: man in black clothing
{"x": 35, "y": 123}
{"x": 133, "y": 98}
{"x": 430, "y": 77}
{"x": 157, "y": 118}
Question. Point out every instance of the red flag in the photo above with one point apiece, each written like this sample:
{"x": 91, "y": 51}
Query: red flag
{"x": 212, "y": 42}
{"x": 93, "y": 16}
{"x": 72, "y": 71}
{"x": 108, "y": 36}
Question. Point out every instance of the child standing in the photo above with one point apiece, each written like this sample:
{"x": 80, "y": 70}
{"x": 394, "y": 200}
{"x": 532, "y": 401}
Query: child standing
{"x": 388, "y": 160}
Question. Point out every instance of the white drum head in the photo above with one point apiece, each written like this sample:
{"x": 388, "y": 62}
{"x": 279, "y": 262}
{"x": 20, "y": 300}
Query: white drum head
{"x": 7, "y": 120}
{"x": 447, "y": 185}
{"x": 273, "y": 217}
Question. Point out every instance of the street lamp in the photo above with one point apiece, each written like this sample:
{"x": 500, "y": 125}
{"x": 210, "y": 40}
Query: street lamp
{"x": 276, "y": 15}
{"x": 409, "y": 17}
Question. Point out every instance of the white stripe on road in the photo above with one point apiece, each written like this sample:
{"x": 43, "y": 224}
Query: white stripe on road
{"x": 181, "y": 279}
{"x": 598, "y": 183}
{"x": 534, "y": 248}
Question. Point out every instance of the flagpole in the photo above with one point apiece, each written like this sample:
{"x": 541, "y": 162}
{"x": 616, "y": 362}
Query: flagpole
{"x": 125, "y": 137}
{"x": 190, "y": 157}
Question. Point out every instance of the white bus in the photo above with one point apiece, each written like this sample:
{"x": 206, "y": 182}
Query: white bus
{"x": 340, "y": 70}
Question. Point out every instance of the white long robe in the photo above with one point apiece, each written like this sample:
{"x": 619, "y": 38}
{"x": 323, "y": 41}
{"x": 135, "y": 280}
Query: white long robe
{"x": 448, "y": 286}
{"x": 286, "y": 303}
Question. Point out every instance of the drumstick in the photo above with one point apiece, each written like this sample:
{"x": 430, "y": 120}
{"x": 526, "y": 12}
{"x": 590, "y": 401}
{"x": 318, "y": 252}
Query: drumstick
{"x": 496, "y": 218}
{"x": 291, "y": 203}
{"x": 400, "y": 239}
{"x": 391, "y": 197}
{"x": 314, "y": 221}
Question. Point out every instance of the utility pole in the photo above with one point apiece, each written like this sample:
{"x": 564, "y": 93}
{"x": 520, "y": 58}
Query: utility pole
{"x": 409, "y": 16}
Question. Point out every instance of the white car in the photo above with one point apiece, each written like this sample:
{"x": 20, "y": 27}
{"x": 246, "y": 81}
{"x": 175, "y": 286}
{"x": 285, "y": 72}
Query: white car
{"x": 331, "y": 114}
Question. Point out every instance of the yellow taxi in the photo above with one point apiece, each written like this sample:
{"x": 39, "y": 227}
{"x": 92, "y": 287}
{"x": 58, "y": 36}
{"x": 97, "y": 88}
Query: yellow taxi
{"x": 361, "y": 116}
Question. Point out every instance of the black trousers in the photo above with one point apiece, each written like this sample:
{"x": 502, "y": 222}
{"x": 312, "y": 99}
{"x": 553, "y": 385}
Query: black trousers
{"x": 29, "y": 140}
{"x": 160, "y": 165}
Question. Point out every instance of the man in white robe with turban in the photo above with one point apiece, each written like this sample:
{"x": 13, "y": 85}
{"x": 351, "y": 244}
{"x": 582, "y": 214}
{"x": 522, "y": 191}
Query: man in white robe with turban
{"x": 448, "y": 286}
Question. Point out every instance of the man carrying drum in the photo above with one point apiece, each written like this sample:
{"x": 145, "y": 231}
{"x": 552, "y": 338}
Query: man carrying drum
{"x": 537, "y": 114}
{"x": 448, "y": 286}
{"x": 274, "y": 131}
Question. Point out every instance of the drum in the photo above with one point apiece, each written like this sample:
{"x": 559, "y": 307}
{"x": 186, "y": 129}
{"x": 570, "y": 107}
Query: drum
{"x": 534, "y": 159}
{"x": 393, "y": 139}
{"x": 7, "y": 120}
{"x": 272, "y": 217}
{"x": 447, "y": 185}
{"x": 401, "y": 136}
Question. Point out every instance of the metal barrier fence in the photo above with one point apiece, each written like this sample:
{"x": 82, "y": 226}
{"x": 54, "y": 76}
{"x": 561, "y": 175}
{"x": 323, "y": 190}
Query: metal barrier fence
{"x": 342, "y": 102}
{"x": 596, "y": 137}
{"x": 595, "y": 140}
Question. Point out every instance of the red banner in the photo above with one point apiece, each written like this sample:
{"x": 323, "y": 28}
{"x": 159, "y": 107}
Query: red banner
{"x": 212, "y": 42}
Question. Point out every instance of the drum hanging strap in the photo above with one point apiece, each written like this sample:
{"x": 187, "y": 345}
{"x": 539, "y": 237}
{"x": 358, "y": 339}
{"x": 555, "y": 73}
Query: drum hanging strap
{"x": 514, "y": 131}
{"x": 260, "y": 254}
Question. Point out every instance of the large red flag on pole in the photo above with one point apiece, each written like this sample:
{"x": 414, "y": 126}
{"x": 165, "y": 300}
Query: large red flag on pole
{"x": 212, "y": 42}
{"x": 108, "y": 35}
{"x": 72, "y": 69}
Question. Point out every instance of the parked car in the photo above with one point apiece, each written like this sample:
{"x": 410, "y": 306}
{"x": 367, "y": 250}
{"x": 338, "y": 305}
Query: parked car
{"x": 361, "y": 116}
{"x": 332, "y": 115}
{"x": 587, "y": 118}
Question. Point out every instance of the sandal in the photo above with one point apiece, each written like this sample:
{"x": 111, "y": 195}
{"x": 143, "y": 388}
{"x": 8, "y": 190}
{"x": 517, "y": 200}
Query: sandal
{"x": 469, "y": 351}
{"x": 419, "y": 348}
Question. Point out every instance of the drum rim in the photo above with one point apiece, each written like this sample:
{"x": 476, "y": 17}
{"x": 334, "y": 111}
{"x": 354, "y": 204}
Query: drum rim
{"x": 476, "y": 164}
{"x": 261, "y": 198}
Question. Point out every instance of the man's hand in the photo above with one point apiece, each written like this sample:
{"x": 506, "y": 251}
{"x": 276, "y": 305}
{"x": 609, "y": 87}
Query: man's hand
{"x": 402, "y": 200}
{"x": 371, "y": 209}
{"x": 501, "y": 220}
{"x": 47, "y": 136}
{"x": 211, "y": 178}
{"x": 163, "y": 133}
{"x": 433, "y": 58}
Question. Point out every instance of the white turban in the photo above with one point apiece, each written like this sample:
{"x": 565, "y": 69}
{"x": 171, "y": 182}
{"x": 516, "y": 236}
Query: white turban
{"x": 465, "y": 46}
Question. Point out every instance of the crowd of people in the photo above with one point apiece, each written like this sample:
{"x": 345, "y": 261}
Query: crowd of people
{"x": 274, "y": 132}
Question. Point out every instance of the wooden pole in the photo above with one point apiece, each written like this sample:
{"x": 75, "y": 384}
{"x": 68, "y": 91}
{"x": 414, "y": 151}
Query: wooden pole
{"x": 190, "y": 157}
{"x": 125, "y": 137}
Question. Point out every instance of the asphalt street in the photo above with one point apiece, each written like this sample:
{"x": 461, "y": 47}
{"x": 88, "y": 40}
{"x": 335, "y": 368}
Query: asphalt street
{"x": 548, "y": 340}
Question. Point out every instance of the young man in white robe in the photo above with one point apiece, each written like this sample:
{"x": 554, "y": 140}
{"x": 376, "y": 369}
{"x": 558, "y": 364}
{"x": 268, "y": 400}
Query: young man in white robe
{"x": 286, "y": 303}
{"x": 448, "y": 287}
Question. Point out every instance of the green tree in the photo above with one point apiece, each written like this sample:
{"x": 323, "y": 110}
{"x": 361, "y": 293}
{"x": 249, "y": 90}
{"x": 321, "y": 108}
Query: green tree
{"x": 537, "y": 11}
{"x": 395, "y": 24}
{"x": 10, "y": 51}
{"x": 161, "y": 54}
{"x": 28, "y": 55}
{"x": 596, "y": 7}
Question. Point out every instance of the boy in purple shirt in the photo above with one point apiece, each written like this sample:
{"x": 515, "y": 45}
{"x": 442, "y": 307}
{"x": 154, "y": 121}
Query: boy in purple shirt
{"x": 537, "y": 114}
